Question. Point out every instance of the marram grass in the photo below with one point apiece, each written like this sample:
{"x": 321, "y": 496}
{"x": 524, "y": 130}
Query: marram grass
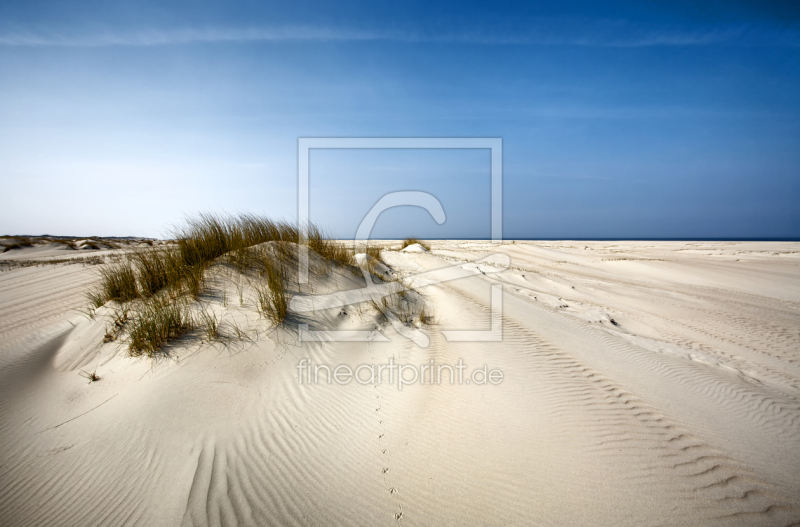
{"x": 159, "y": 279}
{"x": 412, "y": 241}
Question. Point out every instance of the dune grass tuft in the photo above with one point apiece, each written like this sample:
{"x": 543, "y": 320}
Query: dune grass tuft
{"x": 202, "y": 241}
{"x": 17, "y": 243}
{"x": 159, "y": 280}
{"x": 412, "y": 241}
{"x": 159, "y": 320}
{"x": 117, "y": 282}
{"x": 93, "y": 377}
{"x": 194, "y": 279}
{"x": 327, "y": 248}
{"x": 272, "y": 300}
{"x": 156, "y": 268}
{"x": 375, "y": 252}
{"x": 210, "y": 324}
{"x": 426, "y": 316}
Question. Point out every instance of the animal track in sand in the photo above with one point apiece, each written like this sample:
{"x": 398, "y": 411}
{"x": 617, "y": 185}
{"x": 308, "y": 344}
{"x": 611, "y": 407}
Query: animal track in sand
{"x": 398, "y": 515}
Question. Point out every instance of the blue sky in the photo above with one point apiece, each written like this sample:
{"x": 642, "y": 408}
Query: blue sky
{"x": 619, "y": 119}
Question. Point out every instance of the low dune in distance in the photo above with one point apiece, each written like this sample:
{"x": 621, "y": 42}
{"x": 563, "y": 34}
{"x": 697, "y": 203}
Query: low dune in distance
{"x": 605, "y": 383}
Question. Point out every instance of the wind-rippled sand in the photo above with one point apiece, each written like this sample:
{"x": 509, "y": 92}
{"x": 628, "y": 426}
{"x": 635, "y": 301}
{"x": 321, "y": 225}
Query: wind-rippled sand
{"x": 645, "y": 383}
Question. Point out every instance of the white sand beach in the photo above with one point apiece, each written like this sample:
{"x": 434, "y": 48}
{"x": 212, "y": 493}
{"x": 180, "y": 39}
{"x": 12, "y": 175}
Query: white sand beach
{"x": 643, "y": 383}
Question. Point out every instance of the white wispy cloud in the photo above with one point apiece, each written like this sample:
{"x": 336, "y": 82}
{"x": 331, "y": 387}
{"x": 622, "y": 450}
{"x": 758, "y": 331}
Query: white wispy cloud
{"x": 546, "y": 33}
{"x": 162, "y": 37}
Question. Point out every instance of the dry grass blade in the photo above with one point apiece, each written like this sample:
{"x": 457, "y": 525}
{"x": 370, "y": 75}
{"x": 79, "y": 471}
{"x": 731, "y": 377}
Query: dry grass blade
{"x": 327, "y": 248}
{"x": 93, "y": 377}
{"x": 426, "y": 316}
{"x": 117, "y": 282}
{"x": 159, "y": 321}
{"x": 194, "y": 279}
{"x": 374, "y": 252}
{"x": 210, "y": 324}
{"x": 156, "y": 269}
{"x": 272, "y": 300}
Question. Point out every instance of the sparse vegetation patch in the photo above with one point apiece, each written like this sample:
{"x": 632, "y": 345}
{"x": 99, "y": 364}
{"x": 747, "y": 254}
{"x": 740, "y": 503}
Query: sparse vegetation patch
{"x": 157, "y": 287}
{"x": 158, "y": 321}
{"x": 412, "y": 241}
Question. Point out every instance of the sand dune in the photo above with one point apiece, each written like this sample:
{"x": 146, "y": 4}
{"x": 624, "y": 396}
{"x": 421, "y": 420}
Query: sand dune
{"x": 644, "y": 383}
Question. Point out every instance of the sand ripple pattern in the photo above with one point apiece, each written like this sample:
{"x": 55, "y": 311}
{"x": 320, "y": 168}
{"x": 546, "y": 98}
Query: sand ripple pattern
{"x": 646, "y": 383}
